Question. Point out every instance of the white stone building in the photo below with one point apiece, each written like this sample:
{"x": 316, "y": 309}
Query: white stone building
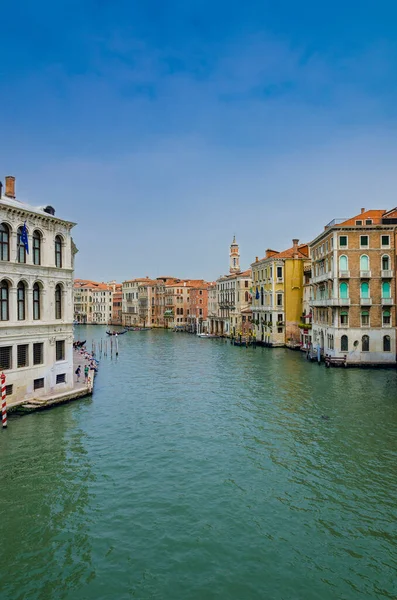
{"x": 132, "y": 309}
{"x": 232, "y": 296}
{"x": 36, "y": 298}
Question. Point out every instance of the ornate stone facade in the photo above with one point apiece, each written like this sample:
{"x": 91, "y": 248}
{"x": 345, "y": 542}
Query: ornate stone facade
{"x": 36, "y": 299}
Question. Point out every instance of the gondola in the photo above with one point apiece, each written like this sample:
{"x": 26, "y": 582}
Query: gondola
{"x": 79, "y": 344}
{"x": 117, "y": 332}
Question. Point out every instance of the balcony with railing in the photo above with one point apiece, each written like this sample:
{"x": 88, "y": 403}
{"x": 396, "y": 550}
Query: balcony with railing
{"x": 344, "y": 274}
{"x": 365, "y": 274}
{"x": 387, "y": 301}
{"x": 386, "y": 274}
{"x": 366, "y": 301}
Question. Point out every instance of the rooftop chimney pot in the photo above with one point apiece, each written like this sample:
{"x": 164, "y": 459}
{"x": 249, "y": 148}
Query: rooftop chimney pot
{"x": 362, "y": 210}
{"x": 10, "y": 186}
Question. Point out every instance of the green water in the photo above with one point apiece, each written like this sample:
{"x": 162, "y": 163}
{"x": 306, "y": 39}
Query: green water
{"x": 203, "y": 471}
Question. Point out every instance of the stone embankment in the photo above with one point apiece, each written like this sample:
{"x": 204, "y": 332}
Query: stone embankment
{"x": 79, "y": 390}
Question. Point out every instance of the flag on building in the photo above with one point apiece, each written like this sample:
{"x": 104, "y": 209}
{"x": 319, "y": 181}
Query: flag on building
{"x": 24, "y": 238}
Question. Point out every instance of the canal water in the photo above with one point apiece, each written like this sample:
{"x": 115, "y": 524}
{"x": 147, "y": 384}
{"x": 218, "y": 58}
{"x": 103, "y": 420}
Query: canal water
{"x": 202, "y": 471}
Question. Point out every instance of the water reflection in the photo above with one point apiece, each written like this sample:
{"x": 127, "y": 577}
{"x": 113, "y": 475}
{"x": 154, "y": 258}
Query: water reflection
{"x": 44, "y": 499}
{"x": 205, "y": 471}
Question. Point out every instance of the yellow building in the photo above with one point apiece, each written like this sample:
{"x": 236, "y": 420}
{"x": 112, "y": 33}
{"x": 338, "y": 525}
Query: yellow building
{"x": 277, "y": 295}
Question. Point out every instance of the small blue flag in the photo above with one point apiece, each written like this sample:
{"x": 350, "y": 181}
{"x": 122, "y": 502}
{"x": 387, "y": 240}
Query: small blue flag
{"x": 24, "y": 238}
{"x": 257, "y": 294}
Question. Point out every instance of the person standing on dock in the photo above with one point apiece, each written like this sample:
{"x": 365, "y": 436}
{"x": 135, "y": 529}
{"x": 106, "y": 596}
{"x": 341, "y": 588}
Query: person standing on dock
{"x": 86, "y": 374}
{"x": 78, "y": 372}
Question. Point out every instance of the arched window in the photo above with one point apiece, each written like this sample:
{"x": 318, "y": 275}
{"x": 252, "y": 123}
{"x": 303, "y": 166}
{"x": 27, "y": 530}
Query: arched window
{"x": 58, "y": 302}
{"x": 344, "y": 343}
{"x": 36, "y": 248}
{"x": 364, "y": 290}
{"x": 365, "y": 343}
{"x": 4, "y": 242}
{"x": 343, "y": 264}
{"x": 36, "y": 302}
{"x": 386, "y": 289}
{"x": 364, "y": 263}
{"x": 21, "y": 250}
{"x": 4, "y": 301}
{"x": 21, "y": 297}
{"x": 385, "y": 262}
{"x": 343, "y": 290}
{"x": 386, "y": 343}
{"x": 58, "y": 252}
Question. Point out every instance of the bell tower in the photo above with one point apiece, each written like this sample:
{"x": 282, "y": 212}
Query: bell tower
{"x": 234, "y": 257}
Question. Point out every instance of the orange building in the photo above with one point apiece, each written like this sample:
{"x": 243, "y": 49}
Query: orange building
{"x": 198, "y": 310}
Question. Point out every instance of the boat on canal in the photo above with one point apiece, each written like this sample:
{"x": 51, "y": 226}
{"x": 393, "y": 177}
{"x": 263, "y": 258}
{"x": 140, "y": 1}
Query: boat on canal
{"x": 117, "y": 332}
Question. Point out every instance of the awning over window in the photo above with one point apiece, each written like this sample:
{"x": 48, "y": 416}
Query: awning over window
{"x": 386, "y": 313}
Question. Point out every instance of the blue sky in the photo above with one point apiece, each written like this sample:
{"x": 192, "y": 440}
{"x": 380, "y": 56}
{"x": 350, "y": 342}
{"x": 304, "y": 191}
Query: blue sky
{"x": 164, "y": 127}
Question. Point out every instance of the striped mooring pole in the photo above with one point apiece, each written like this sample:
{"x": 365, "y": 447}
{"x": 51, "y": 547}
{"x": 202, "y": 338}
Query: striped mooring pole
{"x": 3, "y": 400}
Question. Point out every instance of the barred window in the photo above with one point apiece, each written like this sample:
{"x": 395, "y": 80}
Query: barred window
{"x": 4, "y": 242}
{"x": 23, "y": 355}
{"x": 61, "y": 378}
{"x": 60, "y": 350}
{"x": 38, "y": 383}
{"x": 38, "y": 353}
{"x": 21, "y": 301}
{"x": 5, "y": 358}
{"x": 365, "y": 343}
{"x": 9, "y": 390}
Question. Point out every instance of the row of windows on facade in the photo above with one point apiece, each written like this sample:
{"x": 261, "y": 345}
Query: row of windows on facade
{"x": 23, "y": 358}
{"x": 231, "y": 284}
{"x": 365, "y": 343}
{"x": 364, "y": 290}
{"x": 37, "y": 383}
{"x": 268, "y": 318}
{"x": 323, "y": 266}
{"x": 321, "y": 316}
{"x": 344, "y": 243}
{"x": 267, "y": 273}
{"x": 266, "y": 298}
{"x": 22, "y": 303}
{"x": 21, "y": 250}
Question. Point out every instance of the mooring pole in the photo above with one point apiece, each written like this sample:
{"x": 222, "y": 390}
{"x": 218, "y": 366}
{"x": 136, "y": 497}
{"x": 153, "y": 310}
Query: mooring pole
{"x": 3, "y": 400}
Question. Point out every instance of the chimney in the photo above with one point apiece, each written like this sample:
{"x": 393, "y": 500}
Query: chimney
{"x": 362, "y": 210}
{"x": 10, "y": 186}
{"x": 295, "y": 243}
{"x": 256, "y": 259}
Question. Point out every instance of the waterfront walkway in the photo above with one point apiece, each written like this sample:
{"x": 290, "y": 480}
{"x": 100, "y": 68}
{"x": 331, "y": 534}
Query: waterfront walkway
{"x": 80, "y": 390}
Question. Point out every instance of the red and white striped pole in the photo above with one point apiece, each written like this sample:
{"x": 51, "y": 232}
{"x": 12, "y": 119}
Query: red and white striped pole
{"x": 3, "y": 400}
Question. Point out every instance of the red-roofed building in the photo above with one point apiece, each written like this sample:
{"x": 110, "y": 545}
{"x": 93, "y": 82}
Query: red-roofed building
{"x": 354, "y": 288}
